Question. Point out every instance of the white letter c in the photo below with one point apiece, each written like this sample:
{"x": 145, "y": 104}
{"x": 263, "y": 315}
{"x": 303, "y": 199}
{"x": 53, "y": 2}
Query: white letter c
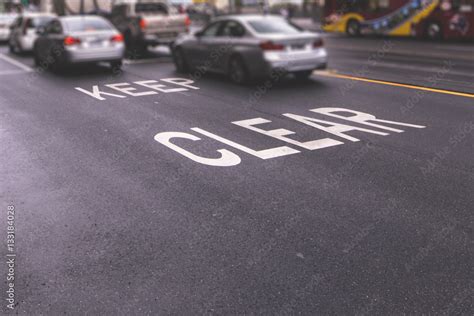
{"x": 227, "y": 158}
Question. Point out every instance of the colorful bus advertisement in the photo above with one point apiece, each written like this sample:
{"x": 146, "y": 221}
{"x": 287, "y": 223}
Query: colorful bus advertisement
{"x": 435, "y": 19}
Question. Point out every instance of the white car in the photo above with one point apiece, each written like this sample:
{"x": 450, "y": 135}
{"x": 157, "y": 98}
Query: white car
{"x": 6, "y": 21}
{"x": 23, "y": 33}
{"x": 247, "y": 47}
{"x": 78, "y": 39}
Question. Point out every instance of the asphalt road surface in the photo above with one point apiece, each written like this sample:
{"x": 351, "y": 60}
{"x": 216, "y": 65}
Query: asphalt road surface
{"x": 173, "y": 202}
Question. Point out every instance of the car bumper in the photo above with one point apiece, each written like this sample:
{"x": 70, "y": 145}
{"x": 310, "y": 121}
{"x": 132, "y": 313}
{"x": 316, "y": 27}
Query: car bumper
{"x": 297, "y": 61}
{"x": 156, "y": 39}
{"x": 95, "y": 55}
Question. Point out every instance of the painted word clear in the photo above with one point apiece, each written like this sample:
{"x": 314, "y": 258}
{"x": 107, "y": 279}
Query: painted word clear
{"x": 337, "y": 135}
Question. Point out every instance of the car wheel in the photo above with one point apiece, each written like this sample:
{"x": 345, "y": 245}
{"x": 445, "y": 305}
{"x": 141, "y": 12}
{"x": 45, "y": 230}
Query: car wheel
{"x": 12, "y": 47}
{"x": 303, "y": 75}
{"x": 116, "y": 65}
{"x": 433, "y": 31}
{"x": 353, "y": 28}
{"x": 180, "y": 61}
{"x": 137, "y": 50}
{"x": 134, "y": 48}
{"x": 19, "y": 49}
{"x": 36, "y": 58}
{"x": 57, "y": 65}
{"x": 142, "y": 49}
{"x": 237, "y": 70}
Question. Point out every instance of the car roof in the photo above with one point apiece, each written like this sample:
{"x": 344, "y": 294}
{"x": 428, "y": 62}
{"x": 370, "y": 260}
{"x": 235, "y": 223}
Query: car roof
{"x": 37, "y": 15}
{"x": 247, "y": 17}
{"x": 80, "y": 17}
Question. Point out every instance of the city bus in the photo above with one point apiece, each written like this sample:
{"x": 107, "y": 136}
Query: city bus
{"x": 435, "y": 19}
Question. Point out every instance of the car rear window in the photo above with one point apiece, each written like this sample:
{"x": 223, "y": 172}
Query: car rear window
{"x": 37, "y": 22}
{"x": 273, "y": 26}
{"x": 151, "y": 8}
{"x": 87, "y": 25}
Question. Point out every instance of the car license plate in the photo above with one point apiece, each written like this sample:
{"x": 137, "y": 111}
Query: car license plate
{"x": 166, "y": 35}
{"x": 298, "y": 46}
{"x": 94, "y": 42}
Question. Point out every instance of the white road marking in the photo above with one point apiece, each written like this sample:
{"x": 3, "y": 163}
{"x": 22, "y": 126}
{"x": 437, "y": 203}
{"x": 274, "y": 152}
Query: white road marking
{"x": 128, "y": 90}
{"x": 16, "y": 63}
{"x": 262, "y": 154}
{"x": 229, "y": 158}
{"x": 11, "y": 72}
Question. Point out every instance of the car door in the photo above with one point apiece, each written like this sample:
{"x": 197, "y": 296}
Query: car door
{"x": 200, "y": 51}
{"x": 230, "y": 35}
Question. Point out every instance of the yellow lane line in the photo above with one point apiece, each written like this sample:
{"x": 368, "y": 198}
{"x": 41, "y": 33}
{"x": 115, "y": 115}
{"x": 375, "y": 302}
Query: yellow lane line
{"x": 395, "y": 84}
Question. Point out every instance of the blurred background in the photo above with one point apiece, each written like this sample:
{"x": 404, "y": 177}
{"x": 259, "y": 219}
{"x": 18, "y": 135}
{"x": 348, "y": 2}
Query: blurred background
{"x": 424, "y": 18}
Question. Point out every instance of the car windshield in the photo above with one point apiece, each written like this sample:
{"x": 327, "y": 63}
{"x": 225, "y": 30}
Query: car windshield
{"x": 87, "y": 25}
{"x": 39, "y": 21}
{"x": 151, "y": 8}
{"x": 273, "y": 26}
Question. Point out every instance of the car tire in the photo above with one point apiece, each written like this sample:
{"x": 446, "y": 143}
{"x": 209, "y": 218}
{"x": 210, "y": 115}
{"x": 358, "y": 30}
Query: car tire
{"x": 116, "y": 66}
{"x": 57, "y": 65}
{"x": 180, "y": 61}
{"x": 134, "y": 48}
{"x": 137, "y": 50}
{"x": 142, "y": 49}
{"x": 36, "y": 58}
{"x": 13, "y": 48}
{"x": 303, "y": 75}
{"x": 238, "y": 71}
{"x": 353, "y": 28}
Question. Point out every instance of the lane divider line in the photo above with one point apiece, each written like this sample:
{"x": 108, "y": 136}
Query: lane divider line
{"x": 11, "y": 72}
{"x": 16, "y": 63}
{"x": 395, "y": 84}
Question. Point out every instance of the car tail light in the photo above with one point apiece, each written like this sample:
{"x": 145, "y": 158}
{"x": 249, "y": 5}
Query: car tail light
{"x": 142, "y": 24}
{"x": 271, "y": 46}
{"x": 187, "y": 21}
{"x": 69, "y": 40}
{"x": 117, "y": 38}
{"x": 318, "y": 43}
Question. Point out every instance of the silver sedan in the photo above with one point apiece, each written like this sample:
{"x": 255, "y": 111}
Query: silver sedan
{"x": 78, "y": 39}
{"x": 246, "y": 47}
